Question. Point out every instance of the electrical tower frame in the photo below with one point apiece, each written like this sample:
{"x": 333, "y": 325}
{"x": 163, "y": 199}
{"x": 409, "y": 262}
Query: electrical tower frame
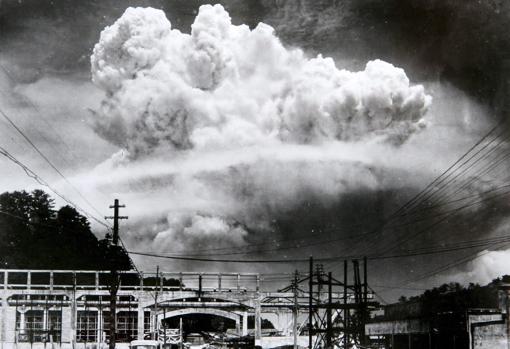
{"x": 337, "y": 310}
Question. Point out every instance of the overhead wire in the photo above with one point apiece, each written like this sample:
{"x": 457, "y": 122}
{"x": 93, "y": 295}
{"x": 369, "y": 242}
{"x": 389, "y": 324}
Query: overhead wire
{"x": 44, "y": 157}
{"x": 444, "y": 183}
{"x": 450, "y": 265}
{"x": 48, "y": 161}
{"x": 28, "y": 221}
{"x": 313, "y": 236}
{"x": 328, "y": 241}
{"x": 293, "y": 239}
{"x": 38, "y": 111}
{"x": 32, "y": 174}
{"x": 481, "y": 174}
{"x": 463, "y": 160}
{"x": 383, "y": 254}
{"x": 439, "y": 178}
{"x": 411, "y": 253}
{"x": 448, "y": 215}
{"x": 483, "y": 171}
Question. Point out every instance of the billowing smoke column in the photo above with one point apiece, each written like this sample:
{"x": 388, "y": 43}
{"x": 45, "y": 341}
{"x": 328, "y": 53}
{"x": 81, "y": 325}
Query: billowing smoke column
{"x": 229, "y": 86}
{"x": 227, "y": 132}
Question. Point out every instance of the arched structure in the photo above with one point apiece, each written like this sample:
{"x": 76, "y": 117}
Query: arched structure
{"x": 208, "y": 311}
{"x": 237, "y": 317}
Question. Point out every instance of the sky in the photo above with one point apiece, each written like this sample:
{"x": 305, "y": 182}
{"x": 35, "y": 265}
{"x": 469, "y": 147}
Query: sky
{"x": 268, "y": 129}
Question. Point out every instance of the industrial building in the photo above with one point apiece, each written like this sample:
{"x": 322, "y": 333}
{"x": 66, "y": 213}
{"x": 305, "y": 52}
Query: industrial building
{"x": 405, "y": 326}
{"x": 70, "y": 309}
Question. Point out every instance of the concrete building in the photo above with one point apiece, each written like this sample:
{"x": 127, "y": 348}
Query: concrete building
{"x": 65, "y": 309}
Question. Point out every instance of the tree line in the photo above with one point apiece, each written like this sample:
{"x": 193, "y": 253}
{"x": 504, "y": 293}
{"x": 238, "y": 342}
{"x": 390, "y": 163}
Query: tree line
{"x": 36, "y": 235}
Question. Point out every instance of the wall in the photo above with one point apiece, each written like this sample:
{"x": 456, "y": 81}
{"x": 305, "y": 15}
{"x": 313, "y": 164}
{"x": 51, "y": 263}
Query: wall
{"x": 397, "y": 327}
{"x": 273, "y": 342}
{"x": 492, "y": 336}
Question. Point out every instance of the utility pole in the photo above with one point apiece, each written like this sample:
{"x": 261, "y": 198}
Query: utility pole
{"x": 329, "y": 315}
{"x": 365, "y": 314}
{"x": 181, "y": 338}
{"x": 295, "y": 309}
{"x": 114, "y": 273}
{"x": 155, "y": 333}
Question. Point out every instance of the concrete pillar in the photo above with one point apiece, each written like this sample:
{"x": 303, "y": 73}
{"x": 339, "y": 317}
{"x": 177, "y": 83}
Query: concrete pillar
{"x": 67, "y": 326}
{"x": 245, "y": 323}
{"x": 22, "y": 318}
{"x": 73, "y": 312}
{"x": 507, "y": 301}
{"x": 238, "y": 329}
{"x": 10, "y": 326}
{"x": 140, "y": 315}
{"x": 258, "y": 323}
{"x": 99, "y": 327}
{"x": 3, "y": 319}
{"x": 45, "y": 318}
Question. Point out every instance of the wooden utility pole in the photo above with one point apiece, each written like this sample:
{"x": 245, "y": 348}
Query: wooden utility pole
{"x": 114, "y": 272}
{"x": 346, "y": 310}
{"x": 155, "y": 333}
{"x": 295, "y": 309}
{"x": 329, "y": 313}
{"x": 181, "y": 337}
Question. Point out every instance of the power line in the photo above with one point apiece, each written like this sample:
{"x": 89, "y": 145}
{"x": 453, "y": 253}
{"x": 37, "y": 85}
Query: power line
{"x": 236, "y": 250}
{"x": 41, "y": 116}
{"x": 245, "y": 261}
{"x": 30, "y": 173}
{"x": 393, "y": 287}
{"x": 27, "y": 220}
{"x": 411, "y": 253}
{"x": 486, "y": 169}
{"x": 36, "y": 109}
{"x": 322, "y": 242}
{"x": 455, "y": 263}
{"x": 439, "y": 178}
{"x": 307, "y": 236}
{"x": 428, "y": 228}
{"x": 378, "y": 295}
{"x": 47, "y": 160}
{"x": 357, "y": 236}
{"x": 448, "y": 215}
{"x": 444, "y": 250}
{"x": 451, "y": 180}
{"x": 421, "y": 196}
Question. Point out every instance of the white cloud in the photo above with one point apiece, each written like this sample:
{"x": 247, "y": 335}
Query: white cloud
{"x": 229, "y": 86}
